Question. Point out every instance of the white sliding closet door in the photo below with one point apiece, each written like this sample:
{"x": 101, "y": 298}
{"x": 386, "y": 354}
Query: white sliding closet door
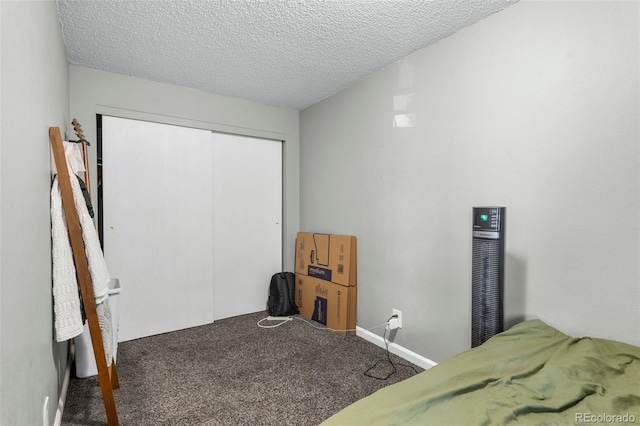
{"x": 158, "y": 232}
{"x": 247, "y": 221}
{"x": 192, "y": 223}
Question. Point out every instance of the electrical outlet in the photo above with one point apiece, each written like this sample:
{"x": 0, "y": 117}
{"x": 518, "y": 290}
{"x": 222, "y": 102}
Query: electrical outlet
{"x": 399, "y": 314}
{"x": 397, "y": 321}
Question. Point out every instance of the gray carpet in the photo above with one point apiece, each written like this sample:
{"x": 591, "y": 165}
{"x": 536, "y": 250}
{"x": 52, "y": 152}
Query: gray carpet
{"x": 232, "y": 372}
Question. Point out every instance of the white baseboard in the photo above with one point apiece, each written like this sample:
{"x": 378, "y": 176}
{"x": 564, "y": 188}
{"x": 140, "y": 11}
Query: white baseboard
{"x": 63, "y": 391}
{"x": 396, "y": 349}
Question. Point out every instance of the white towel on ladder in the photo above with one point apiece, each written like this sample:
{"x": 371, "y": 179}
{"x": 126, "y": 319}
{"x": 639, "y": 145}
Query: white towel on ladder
{"x": 68, "y": 318}
{"x": 66, "y": 299}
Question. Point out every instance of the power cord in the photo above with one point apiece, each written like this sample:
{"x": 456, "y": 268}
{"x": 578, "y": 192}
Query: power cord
{"x": 339, "y": 331}
{"x": 367, "y": 373}
{"x": 283, "y": 320}
{"x": 289, "y": 318}
{"x": 388, "y": 360}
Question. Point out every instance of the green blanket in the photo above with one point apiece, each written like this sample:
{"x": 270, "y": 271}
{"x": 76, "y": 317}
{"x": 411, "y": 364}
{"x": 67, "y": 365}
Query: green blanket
{"x": 531, "y": 374}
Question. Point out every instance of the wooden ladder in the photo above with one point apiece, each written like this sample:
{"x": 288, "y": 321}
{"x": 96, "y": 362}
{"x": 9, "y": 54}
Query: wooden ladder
{"x": 107, "y": 375}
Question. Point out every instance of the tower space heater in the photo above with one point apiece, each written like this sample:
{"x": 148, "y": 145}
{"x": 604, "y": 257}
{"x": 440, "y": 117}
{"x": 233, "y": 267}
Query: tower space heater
{"x": 487, "y": 273}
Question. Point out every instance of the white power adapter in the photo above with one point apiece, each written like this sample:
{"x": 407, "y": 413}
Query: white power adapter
{"x": 396, "y": 320}
{"x": 279, "y": 318}
{"x": 393, "y": 324}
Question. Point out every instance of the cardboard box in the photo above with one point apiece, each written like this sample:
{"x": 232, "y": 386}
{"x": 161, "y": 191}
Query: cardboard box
{"x": 330, "y": 304}
{"x": 327, "y": 257}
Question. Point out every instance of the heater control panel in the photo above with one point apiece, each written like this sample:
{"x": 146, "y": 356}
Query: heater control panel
{"x": 488, "y": 222}
{"x": 487, "y": 218}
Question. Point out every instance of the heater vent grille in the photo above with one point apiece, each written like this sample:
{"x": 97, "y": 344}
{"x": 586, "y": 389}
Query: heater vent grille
{"x": 487, "y": 290}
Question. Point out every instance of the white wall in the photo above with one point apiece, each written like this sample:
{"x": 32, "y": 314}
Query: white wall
{"x": 35, "y": 95}
{"x": 98, "y": 92}
{"x": 535, "y": 108}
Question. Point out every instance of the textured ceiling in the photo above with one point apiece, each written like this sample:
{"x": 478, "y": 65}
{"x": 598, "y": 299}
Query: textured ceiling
{"x": 286, "y": 53}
